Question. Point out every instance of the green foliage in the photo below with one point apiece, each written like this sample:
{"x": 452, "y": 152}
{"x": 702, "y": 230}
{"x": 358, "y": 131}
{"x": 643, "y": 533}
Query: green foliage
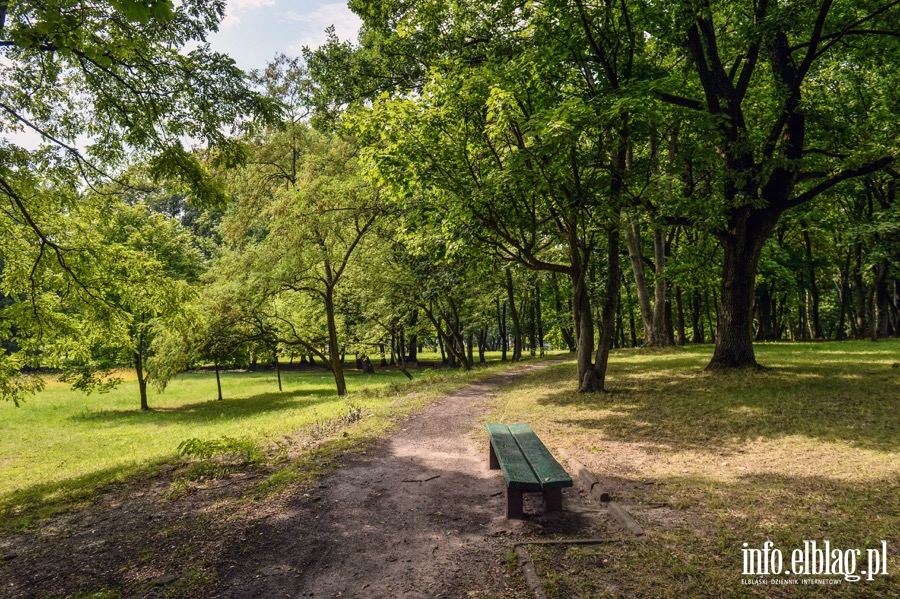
{"x": 215, "y": 457}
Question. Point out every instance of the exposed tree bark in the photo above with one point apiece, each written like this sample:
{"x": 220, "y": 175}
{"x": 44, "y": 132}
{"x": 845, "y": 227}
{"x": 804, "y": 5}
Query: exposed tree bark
{"x": 696, "y": 319}
{"x": 567, "y": 333}
{"x": 538, "y": 316}
{"x": 881, "y": 323}
{"x": 633, "y": 241}
{"x": 413, "y": 339}
{"x": 661, "y": 329}
{"x": 277, "y": 367}
{"x": 608, "y": 323}
{"x": 859, "y": 294}
{"x": 218, "y": 380}
{"x": 681, "y": 337}
{"x": 815, "y": 323}
{"x": 514, "y": 315}
{"x": 141, "y": 379}
{"x": 501, "y": 326}
{"x": 334, "y": 352}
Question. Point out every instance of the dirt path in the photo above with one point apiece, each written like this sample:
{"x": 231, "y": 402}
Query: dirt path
{"x": 420, "y": 515}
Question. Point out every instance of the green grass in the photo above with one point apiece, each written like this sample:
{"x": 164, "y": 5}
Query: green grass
{"x": 60, "y": 446}
{"x": 807, "y": 449}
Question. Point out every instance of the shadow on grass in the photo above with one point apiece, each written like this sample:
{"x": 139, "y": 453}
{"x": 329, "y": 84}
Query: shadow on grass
{"x": 682, "y": 407}
{"x": 697, "y": 528}
{"x": 22, "y": 507}
{"x": 227, "y": 409}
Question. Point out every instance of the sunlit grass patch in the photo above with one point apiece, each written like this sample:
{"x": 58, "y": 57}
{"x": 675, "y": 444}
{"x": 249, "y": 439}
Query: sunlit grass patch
{"x": 806, "y": 449}
{"x": 60, "y": 447}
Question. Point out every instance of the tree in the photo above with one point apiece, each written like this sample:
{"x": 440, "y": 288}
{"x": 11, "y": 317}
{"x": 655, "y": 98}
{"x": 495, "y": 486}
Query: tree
{"x": 798, "y": 98}
{"x": 104, "y": 85}
{"x": 145, "y": 264}
{"x": 292, "y": 244}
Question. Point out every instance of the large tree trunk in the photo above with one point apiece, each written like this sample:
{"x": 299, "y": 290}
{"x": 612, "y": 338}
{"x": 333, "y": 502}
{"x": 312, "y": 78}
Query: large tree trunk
{"x": 584, "y": 326}
{"x": 334, "y": 352}
{"x": 608, "y": 323}
{"x": 743, "y": 246}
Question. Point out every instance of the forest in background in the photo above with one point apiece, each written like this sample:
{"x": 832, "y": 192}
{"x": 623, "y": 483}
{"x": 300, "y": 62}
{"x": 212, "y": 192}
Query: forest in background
{"x": 472, "y": 176}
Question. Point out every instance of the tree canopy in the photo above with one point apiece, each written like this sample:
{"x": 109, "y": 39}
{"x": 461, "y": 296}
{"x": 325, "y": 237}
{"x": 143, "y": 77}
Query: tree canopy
{"x": 471, "y": 175}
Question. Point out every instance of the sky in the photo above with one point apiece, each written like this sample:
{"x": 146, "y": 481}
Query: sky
{"x": 254, "y": 31}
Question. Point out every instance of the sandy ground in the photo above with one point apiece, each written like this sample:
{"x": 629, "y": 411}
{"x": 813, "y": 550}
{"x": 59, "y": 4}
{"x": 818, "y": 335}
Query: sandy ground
{"x": 419, "y": 515}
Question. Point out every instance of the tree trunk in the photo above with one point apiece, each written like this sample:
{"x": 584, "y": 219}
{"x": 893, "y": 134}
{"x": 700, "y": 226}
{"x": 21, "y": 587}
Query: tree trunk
{"x": 278, "y": 369}
{"x": 567, "y": 333}
{"x": 633, "y": 241}
{"x": 696, "y": 320}
{"x": 501, "y": 327}
{"x": 514, "y": 315}
{"x": 681, "y": 336}
{"x": 743, "y": 246}
{"x": 413, "y": 344}
{"x": 440, "y": 339}
{"x": 584, "y": 325}
{"x": 764, "y": 311}
{"x": 218, "y": 380}
{"x": 482, "y": 344}
{"x": 401, "y": 362}
{"x": 660, "y": 329}
{"x": 859, "y": 294}
{"x": 882, "y": 320}
{"x": 597, "y": 379}
{"x": 815, "y": 324}
{"x": 334, "y": 352}
{"x": 142, "y": 380}
{"x": 539, "y": 317}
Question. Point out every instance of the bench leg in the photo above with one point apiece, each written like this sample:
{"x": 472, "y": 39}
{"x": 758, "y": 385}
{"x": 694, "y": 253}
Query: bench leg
{"x": 553, "y": 500}
{"x": 493, "y": 463}
{"x": 514, "y": 503}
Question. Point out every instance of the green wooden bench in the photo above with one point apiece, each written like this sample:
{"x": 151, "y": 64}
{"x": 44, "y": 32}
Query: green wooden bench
{"x": 527, "y": 466}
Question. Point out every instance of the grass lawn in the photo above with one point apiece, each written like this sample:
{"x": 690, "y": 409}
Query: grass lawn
{"x": 60, "y": 446}
{"x": 806, "y": 450}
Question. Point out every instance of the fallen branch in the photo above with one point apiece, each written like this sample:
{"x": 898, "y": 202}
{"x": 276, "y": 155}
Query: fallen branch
{"x": 422, "y": 480}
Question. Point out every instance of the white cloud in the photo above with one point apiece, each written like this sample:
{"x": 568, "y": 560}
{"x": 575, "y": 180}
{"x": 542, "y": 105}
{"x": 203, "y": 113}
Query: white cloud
{"x": 247, "y": 4}
{"x": 346, "y": 25}
{"x": 235, "y": 7}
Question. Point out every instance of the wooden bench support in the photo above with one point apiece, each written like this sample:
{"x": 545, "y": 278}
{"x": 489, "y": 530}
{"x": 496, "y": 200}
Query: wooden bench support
{"x": 553, "y": 500}
{"x": 527, "y": 467}
{"x": 514, "y": 499}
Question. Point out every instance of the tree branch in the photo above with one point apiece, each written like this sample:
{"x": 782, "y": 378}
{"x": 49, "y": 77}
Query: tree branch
{"x": 866, "y": 169}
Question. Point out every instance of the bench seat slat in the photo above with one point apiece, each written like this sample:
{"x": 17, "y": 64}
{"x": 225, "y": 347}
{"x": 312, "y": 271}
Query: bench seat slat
{"x": 516, "y": 469}
{"x": 549, "y": 472}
